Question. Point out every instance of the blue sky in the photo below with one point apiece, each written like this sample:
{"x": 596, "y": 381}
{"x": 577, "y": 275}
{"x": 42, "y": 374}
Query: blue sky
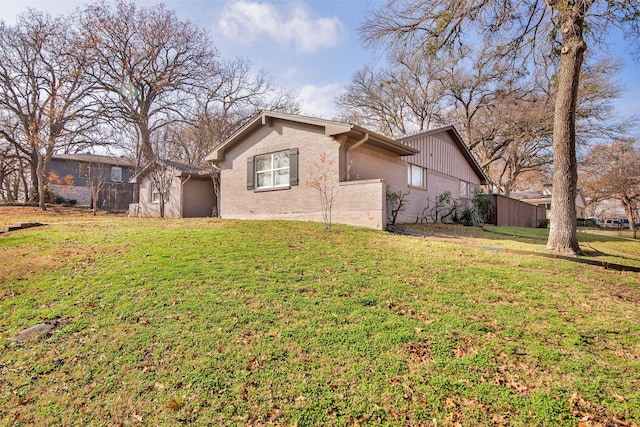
{"x": 310, "y": 47}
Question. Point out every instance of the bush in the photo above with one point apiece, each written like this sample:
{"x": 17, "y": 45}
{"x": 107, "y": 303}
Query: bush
{"x": 470, "y": 216}
{"x": 477, "y": 213}
{"x": 483, "y": 203}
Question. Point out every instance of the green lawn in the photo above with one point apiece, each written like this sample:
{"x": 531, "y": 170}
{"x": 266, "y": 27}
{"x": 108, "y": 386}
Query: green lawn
{"x": 213, "y": 322}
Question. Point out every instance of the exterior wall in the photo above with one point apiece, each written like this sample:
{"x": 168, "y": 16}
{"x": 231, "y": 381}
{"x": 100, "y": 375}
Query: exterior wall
{"x": 80, "y": 194}
{"x": 198, "y": 198}
{"x": 357, "y": 203}
{"x": 114, "y": 195}
{"x": 148, "y": 209}
{"x": 79, "y": 170}
{"x": 367, "y": 163}
{"x": 439, "y": 153}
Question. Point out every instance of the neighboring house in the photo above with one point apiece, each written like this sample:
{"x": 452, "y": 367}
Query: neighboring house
{"x": 265, "y": 170}
{"x": 190, "y": 192}
{"x": 71, "y": 176}
{"x": 543, "y": 198}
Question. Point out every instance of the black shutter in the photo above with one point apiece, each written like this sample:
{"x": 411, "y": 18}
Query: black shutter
{"x": 251, "y": 173}
{"x": 293, "y": 166}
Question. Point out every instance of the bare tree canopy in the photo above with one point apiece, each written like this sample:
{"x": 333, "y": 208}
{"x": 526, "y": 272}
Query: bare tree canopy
{"x": 397, "y": 100}
{"x": 149, "y": 63}
{"x": 44, "y": 102}
{"x": 612, "y": 172}
{"x": 516, "y": 30}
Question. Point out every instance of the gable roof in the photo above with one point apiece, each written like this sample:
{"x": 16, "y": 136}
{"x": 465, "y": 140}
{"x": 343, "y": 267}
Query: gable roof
{"x": 457, "y": 139}
{"x": 182, "y": 169}
{"x": 330, "y": 128}
{"x": 95, "y": 158}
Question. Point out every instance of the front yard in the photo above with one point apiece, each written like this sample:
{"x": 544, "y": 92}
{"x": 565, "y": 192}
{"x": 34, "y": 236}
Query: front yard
{"x": 214, "y": 322}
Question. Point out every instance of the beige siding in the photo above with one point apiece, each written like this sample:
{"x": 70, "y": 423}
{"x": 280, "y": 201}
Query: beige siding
{"x": 440, "y": 154}
{"x": 147, "y": 208}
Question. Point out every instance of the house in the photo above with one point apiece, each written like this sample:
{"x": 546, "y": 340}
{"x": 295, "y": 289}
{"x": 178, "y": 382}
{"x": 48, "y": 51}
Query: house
{"x": 543, "y": 198}
{"x": 267, "y": 165}
{"x": 189, "y": 191}
{"x": 72, "y": 176}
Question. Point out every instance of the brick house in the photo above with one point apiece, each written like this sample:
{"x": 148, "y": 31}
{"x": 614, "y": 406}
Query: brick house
{"x": 71, "y": 175}
{"x": 265, "y": 170}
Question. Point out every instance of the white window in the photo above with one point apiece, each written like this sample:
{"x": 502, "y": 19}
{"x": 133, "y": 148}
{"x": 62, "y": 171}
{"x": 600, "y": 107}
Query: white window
{"x": 116, "y": 174}
{"x": 464, "y": 189}
{"x": 155, "y": 195}
{"x": 417, "y": 176}
{"x": 272, "y": 170}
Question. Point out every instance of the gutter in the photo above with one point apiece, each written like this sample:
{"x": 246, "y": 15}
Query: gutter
{"x": 347, "y": 165}
{"x": 182, "y": 195}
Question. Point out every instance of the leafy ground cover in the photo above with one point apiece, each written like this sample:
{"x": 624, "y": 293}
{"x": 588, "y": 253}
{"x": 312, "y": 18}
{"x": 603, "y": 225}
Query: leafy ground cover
{"x": 214, "y": 322}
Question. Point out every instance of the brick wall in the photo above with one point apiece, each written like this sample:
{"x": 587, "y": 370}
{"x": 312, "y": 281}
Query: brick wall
{"x": 359, "y": 203}
{"x": 81, "y": 194}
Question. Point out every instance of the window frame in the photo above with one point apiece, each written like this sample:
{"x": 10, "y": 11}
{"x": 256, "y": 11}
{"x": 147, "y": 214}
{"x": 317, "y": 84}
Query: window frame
{"x": 422, "y": 171}
{"x": 272, "y": 171}
{"x": 113, "y": 169}
{"x": 154, "y": 197}
{"x": 467, "y": 185}
{"x": 252, "y": 172}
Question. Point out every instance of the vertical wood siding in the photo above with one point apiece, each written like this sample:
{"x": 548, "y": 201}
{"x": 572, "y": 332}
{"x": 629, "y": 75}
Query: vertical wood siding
{"x": 440, "y": 153}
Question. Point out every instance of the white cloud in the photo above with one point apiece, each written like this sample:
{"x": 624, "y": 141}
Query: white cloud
{"x": 287, "y": 23}
{"x": 319, "y": 101}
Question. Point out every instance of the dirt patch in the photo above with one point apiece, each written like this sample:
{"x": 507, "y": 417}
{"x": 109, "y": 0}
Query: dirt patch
{"x": 20, "y": 263}
{"x": 14, "y": 214}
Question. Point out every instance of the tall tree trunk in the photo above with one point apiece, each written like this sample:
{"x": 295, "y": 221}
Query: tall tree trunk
{"x": 562, "y": 234}
{"x": 33, "y": 186}
{"x": 42, "y": 183}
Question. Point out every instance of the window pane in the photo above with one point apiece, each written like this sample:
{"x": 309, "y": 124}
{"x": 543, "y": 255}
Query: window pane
{"x": 282, "y": 177}
{"x": 272, "y": 170}
{"x": 263, "y": 163}
{"x": 464, "y": 189}
{"x": 416, "y": 176}
{"x": 116, "y": 174}
{"x": 264, "y": 179}
{"x": 281, "y": 160}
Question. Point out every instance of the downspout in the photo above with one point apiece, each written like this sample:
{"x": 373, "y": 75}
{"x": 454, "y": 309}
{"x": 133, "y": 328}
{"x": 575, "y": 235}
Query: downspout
{"x": 347, "y": 165}
{"x": 182, "y": 195}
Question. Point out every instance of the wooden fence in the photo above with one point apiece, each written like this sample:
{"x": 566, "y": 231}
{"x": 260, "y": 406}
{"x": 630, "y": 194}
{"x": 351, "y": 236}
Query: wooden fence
{"x": 509, "y": 212}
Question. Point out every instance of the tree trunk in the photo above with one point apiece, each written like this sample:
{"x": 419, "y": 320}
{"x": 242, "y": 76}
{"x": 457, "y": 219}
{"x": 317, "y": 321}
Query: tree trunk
{"x": 33, "y": 185}
{"x": 628, "y": 210}
{"x": 562, "y": 233}
{"x": 42, "y": 183}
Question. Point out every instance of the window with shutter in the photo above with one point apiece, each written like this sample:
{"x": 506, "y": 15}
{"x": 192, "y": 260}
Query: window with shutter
{"x": 273, "y": 170}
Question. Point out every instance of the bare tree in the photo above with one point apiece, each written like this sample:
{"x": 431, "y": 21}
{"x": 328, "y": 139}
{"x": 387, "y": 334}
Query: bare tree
{"x": 403, "y": 98}
{"x": 236, "y": 94}
{"x": 516, "y": 29}
{"x": 323, "y": 176}
{"x": 43, "y": 90}
{"x": 611, "y": 172}
{"x": 148, "y": 63}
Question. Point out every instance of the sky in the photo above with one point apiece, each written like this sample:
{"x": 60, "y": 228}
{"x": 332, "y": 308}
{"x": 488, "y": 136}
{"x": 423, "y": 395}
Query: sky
{"x": 310, "y": 47}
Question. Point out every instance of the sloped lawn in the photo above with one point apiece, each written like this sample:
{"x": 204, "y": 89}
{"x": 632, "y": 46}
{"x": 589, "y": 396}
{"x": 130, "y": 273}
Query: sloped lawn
{"x": 211, "y": 322}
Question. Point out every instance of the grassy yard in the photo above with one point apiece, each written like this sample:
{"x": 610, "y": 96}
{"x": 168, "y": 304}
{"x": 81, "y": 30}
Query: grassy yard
{"x": 215, "y": 322}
